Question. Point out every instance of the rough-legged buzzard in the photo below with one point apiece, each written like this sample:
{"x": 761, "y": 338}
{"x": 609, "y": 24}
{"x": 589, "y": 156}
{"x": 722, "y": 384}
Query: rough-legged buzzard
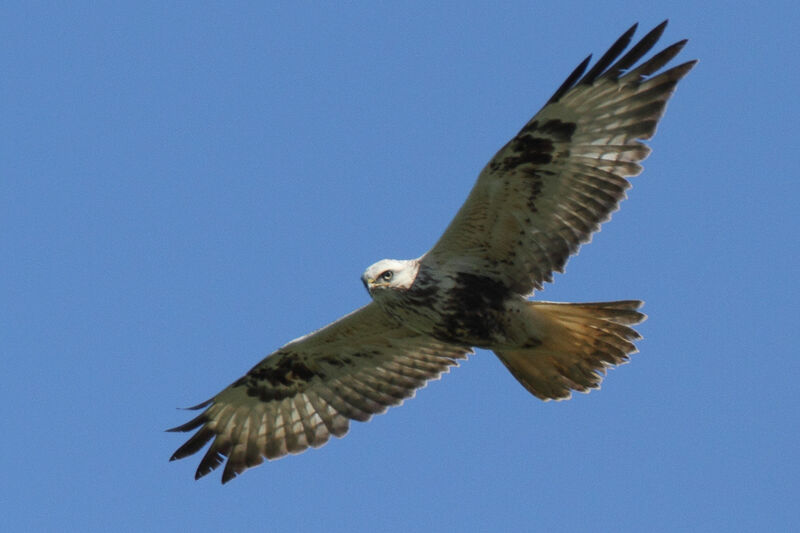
{"x": 540, "y": 197}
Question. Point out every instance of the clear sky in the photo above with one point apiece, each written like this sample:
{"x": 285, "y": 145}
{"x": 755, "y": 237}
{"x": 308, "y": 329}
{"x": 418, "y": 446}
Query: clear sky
{"x": 184, "y": 188}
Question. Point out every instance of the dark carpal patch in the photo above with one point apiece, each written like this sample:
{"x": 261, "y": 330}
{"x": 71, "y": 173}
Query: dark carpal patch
{"x": 534, "y": 144}
{"x": 528, "y": 149}
{"x": 531, "y": 146}
{"x": 559, "y": 131}
{"x": 282, "y": 379}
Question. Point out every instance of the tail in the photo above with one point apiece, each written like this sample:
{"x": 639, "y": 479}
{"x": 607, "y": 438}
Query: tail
{"x": 578, "y": 342}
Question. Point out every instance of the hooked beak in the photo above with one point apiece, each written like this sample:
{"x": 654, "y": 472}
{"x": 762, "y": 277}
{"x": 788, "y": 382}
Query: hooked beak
{"x": 367, "y": 282}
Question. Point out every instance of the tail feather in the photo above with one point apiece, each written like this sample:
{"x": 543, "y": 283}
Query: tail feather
{"x": 580, "y": 341}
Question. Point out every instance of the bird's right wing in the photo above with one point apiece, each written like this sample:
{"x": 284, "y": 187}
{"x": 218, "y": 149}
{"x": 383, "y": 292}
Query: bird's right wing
{"x": 309, "y": 389}
{"x": 547, "y": 190}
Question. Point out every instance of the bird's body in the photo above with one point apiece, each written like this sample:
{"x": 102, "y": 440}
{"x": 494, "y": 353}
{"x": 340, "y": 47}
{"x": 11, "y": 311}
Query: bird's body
{"x": 458, "y": 308}
{"x": 541, "y": 196}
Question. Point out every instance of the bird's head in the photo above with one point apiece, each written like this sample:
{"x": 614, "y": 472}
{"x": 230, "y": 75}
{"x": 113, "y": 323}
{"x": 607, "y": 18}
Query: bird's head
{"x": 390, "y": 274}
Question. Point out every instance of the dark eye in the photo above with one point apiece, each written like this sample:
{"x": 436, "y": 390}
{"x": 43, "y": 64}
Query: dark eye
{"x": 387, "y": 276}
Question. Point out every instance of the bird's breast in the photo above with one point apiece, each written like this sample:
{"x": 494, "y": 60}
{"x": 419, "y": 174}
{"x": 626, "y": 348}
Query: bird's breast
{"x": 460, "y": 308}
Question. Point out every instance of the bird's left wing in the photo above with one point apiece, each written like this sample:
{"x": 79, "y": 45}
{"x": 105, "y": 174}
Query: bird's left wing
{"x": 308, "y": 390}
{"x": 547, "y": 190}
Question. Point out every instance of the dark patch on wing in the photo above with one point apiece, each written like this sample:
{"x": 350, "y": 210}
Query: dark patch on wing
{"x": 534, "y": 145}
{"x": 528, "y": 149}
{"x": 283, "y": 379}
{"x": 288, "y": 370}
{"x": 558, "y": 130}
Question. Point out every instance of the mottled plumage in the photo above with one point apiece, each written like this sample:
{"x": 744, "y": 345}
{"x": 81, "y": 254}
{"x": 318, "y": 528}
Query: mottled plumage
{"x": 539, "y": 198}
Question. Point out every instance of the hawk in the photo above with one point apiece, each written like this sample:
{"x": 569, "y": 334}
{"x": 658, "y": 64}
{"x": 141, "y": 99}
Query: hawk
{"x": 540, "y": 197}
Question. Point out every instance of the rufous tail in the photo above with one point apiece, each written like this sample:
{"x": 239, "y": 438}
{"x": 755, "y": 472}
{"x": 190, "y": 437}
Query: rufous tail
{"x": 579, "y": 342}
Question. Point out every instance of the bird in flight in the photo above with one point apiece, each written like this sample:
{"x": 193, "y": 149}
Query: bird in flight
{"x": 539, "y": 198}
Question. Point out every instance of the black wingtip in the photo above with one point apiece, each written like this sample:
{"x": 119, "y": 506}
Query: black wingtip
{"x": 628, "y": 35}
{"x": 656, "y": 33}
{"x": 637, "y": 52}
{"x": 194, "y": 423}
{"x": 656, "y": 62}
{"x": 570, "y": 81}
{"x": 604, "y": 68}
{"x": 198, "y": 406}
{"x": 613, "y": 52}
{"x": 210, "y": 462}
{"x": 229, "y": 472}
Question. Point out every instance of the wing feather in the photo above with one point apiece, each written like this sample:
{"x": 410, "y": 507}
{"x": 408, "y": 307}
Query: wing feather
{"x": 551, "y": 187}
{"x": 308, "y": 390}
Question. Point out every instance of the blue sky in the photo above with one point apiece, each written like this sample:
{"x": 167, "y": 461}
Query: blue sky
{"x": 187, "y": 187}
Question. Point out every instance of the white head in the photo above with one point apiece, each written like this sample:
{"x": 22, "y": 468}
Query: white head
{"x": 390, "y": 274}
